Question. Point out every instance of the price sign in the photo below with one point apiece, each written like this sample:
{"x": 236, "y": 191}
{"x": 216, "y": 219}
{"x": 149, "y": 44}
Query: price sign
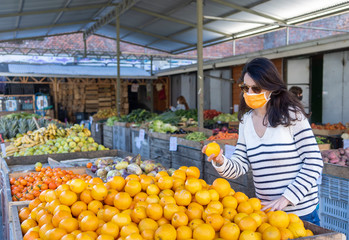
{"x": 96, "y": 127}
{"x": 345, "y": 143}
{"x": 141, "y": 134}
{"x": 173, "y": 143}
{"x": 229, "y": 151}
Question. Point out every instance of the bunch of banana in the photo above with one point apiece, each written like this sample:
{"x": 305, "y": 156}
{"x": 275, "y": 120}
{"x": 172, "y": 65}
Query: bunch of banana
{"x": 11, "y": 150}
{"x": 86, "y": 132}
{"x": 60, "y": 132}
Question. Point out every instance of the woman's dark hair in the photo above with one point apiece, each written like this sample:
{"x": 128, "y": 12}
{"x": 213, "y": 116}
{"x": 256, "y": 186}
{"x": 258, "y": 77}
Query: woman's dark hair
{"x": 182, "y": 100}
{"x": 296, "y": 90}
{"x": 281, "y": 103}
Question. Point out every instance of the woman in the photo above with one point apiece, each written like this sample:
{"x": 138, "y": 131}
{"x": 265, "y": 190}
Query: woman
{"x": 276, "y": 142}
{"x": 297, "y": 91}
{"x": 181, "y": 104}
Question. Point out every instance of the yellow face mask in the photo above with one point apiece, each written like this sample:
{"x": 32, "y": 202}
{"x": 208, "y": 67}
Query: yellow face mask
{"x": 256, "y": 100}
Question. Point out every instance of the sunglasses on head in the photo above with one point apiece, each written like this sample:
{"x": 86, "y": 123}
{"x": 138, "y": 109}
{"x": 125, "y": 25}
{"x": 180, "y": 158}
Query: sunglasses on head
{"x": 245, "y": 88}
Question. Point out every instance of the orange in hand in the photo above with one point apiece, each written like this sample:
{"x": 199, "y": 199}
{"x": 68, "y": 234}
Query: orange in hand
{"x": 212, "y": 148}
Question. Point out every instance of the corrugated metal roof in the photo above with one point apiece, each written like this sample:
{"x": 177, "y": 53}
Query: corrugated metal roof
{"x": 69, "y": 70}
{"x": 167, "y": 25}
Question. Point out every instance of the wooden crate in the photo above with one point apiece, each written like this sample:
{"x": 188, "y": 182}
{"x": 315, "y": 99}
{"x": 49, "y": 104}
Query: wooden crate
{"x": 326, "y": 146}
{"x": 138, "y": 146}
{"x": 159, "y": 148}
{"x": 324, "y": 132}
{"x": 108, "y": 136}
{"x": 122, "y": 137}
{"x": 97, "y": 132}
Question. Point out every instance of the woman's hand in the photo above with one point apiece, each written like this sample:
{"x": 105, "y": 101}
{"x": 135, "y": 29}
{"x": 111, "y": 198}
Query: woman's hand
{"x": 275, "y": 205}
{"x": 219, "y": 160}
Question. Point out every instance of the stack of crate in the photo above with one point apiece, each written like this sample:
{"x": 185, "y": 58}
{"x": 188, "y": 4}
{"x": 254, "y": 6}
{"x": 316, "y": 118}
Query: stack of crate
{"x": 105, "y": 96}
{"x": 91, "y": 99}
{"x": 124, "y": 99}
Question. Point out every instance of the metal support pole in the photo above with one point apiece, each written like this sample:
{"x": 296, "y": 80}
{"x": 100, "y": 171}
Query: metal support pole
{"x": 287, "y": 35}
{"x": 85, "y": 46}
{"x": 151, "y": 65}
{"x": 234, "y": 45}
{"x": 118, "y": 81}
{"x": 200, "y": 73}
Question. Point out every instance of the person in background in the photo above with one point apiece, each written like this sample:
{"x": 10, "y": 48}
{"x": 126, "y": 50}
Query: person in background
{"x": 297, "y": 91}
{"x": 276, "y": 142}
{"x": 181, "y": 104}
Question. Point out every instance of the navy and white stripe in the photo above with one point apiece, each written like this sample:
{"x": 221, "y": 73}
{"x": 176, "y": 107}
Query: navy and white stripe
{"x": 285, "y": 161}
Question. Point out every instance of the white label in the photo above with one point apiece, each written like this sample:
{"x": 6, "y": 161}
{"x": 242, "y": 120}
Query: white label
{"x": 173, "y": 143}
{"x": 141, "y": 134}
{"x": 236, "y": 107}
{"x": 96, "y": 127}
{"x": 345, "y": 143}
{"x": 138, "y": 143}
{"x": 91, "y": 120}
{"x": 229, "y": 151}
{"x": 3, "y": 149}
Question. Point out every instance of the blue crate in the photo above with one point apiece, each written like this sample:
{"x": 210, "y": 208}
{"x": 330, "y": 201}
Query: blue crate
{"x": 334, "y": 204}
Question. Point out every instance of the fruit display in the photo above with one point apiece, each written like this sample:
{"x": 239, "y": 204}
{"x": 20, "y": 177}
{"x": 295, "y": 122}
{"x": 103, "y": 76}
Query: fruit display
{"x": 30, "y": 185}
{"x": 54, "y": 140}
{"x": 210, "y": 114}
{"x": 179, "y": 117}
{"x": 337, "y": 126}
{"x": 226, "y": 117}
{"x": 336, "y": 156}
{"x": 111, "y": 120}
{"x": 161, "y": 127}
{"x": 196, "y": 136}
{"x": 110, "y": 167}
{"x": 224, "y": 136}
{"x": 137, "y": 116}
{"x": 164, "y": 207}
{"x": 105, "y": 113}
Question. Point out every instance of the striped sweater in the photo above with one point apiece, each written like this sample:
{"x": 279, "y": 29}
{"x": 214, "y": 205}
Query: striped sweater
{"x": 286, "y": 161}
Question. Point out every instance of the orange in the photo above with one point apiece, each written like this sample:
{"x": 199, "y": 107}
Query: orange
{"x": 239, "y": 216}
{"x": 27, "y": 224}
{"x": 166, "y": 232}
{"x": 262, "y": 227}
{"x": 84, "y": 214}
{"x": 55, "y": 234}
{"x": 184, "y": 232}
{"x": 34, "y": 212}
{"x": 111, "y": 229}
{"x": 229, "y": 213}
{"x": 85, "y": 196}
{"x": 217, "y": 205}
{"x": 248, "y": 223}
{"x": 95, "y": 180}
{"x": 128, "y": 230}
{"x": 95, "y": 206}
{"x": 46, "y": 218}
{"x": 294, "y": 218}
{"x": 140, "y": 204}
{"x": 62, "y": 188}
{"x": 212, "y": 148}
{"x": 121, "y": 219}
{"x": 165, "y": 182}
{"x": 153, "y": 189}
{"x": 109, "y": 200}
{"x": 203, "y": 197}
{"x": 271, "y": 233}
{"x": 152, "y": 199}
{"x": 133, "y": 187}
{"x": 68, "y": 197}
{"x": 245, "y": 207}
{"x": 166, "y": 192}
{"x": 31, "y": 235}
{"x": 214, "y": 195}
{"x": 222, "y": 187}
{"x": 59, "y": 216}
{"x": 161, "y": 174}
{"x": 250, "y": 235}
{"x": 167, "y": 200}
{"x": 193, "y": 185}
{"x": 279, "y": 219}
{"x": 178, "y": 183}
{"x": 34, "y": 203}
{"x": 132, "y": 177}
{"x": 109, "y": 213}
{"x": 255, "y": 203}
{"x": 192, "y": 172}
{"x": 287, "y": 234}
{"x": 40, "y": 214}
{"x": 230, "y": 231}
{"x": 83, "y": 236}
{"x": 179, "y": 219}
{"x": 240, "y": 197}
{"x": 148, "y": 234}
{"x": 44, "y": 228}
{"x": 138, "y": 214}
{"x": 146, "y": 181}
{"x": 182, "y": 197}
{"x": 104, "y": 237}
{"x": 77, "y": 185}
{"x": 134, "y": 236}
{"x": 99, "y": 192}
{"x": 68, "y": 237}
{"x": 215, "y": 220}
{"x": 195, "y": 222}
{"x": 154, "y": 211}
{"x": 204, "y": 231}
{"x": 183, "y": 168}
{"x": 257, "y": 218}
{"x": 193, "y": 212}
{"x": 122, "y": 201}
{"x": 69, "y": 224}
{"x": 89, "y": 223}
{"x": 50, "y": 195}
{"x": 297, "y": 229}
{"x": 61, "y": 208}
{"x": 77, "y": 208}
{"x": 76, "y": 232}
{"x": 195, "y": 204}
{"x": 170, "y": 210}
{"x": 162, "y": 221}
{"x": 308, "y": 233}
{"x": 147, "y": 223}
{"x": 52, "y": 205}
{"x": 117, "y": 183}
{"x": 179, "y": 174}
{"x": 263, "y": 216}
{"x": 141, "y": 196}
{"x": 207, "y": 212}
{"x": 229, "y": 202}
{"x": 24, "y": 213}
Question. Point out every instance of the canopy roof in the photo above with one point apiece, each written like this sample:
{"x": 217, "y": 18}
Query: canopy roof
{"x": 166, "y": 25}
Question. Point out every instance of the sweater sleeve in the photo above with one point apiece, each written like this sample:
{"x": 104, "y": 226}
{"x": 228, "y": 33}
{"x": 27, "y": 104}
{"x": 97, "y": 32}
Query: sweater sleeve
{"x": 238, "y": 164}
{"x": 310, "y": 155}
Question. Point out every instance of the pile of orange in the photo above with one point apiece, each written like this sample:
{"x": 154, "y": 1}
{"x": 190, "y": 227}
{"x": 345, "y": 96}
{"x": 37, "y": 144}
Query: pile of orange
{"x": 180, "y": 206}
{"x": 32, "y": 184}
